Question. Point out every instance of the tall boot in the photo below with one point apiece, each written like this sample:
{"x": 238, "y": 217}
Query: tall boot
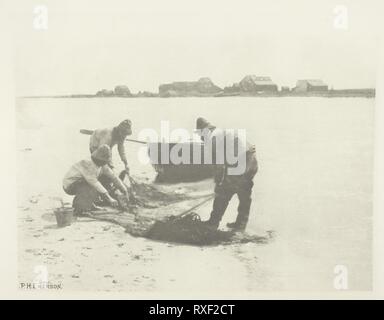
{"x": 243, "y": 213}
{"x": 220, "y": 204}
{"x": 245, "y": 200}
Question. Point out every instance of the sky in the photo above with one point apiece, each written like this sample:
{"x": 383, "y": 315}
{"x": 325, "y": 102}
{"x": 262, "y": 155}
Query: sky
{"x": 91, "y": 45}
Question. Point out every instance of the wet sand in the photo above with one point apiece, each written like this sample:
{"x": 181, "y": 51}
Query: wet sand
{"x": 313, "y": 190}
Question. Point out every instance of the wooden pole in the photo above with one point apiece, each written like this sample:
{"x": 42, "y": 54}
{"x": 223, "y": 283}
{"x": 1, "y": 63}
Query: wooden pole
{"x": 90, "y": 132}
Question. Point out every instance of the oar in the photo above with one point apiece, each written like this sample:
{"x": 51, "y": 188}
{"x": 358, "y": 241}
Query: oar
{"x": 89, "y": 132}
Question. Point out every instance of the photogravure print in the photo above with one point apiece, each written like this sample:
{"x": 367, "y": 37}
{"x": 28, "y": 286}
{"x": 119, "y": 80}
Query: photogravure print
{"x": 190, "y": 148}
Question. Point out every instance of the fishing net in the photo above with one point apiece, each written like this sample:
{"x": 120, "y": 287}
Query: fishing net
{"x": 187, "y": 229}
{"x": 148, "y": 196}
{"x": 165, "y": 216}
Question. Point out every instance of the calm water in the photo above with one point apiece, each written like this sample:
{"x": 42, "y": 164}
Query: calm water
{"x": 313, "y": 189}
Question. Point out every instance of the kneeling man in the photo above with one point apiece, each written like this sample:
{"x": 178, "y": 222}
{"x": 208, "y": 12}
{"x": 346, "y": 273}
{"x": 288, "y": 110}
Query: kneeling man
{"x": 82, "y": 181}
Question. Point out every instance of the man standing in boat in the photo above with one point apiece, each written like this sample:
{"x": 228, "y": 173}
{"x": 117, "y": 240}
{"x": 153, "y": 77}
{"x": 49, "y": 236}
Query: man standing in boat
{"x": 83, "y": 181}
{"x": 111, "y": 137}
{"x": 229, "y": 184}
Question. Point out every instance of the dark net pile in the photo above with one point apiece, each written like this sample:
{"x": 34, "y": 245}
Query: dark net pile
{"x": 184, "y": 228}
{"x": 187, "y": 229}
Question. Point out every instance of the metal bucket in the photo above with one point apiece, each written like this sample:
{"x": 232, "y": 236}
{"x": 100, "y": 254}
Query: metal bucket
{"x": 64, "y": 217}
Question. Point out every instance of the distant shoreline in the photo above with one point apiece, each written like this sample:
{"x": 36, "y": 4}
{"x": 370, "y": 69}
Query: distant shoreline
{"x": 249, "y": 86}
{"x": 348, "y": 93}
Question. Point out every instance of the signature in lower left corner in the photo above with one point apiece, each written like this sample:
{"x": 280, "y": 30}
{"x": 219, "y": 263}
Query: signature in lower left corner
{"x": 40, "y": 286}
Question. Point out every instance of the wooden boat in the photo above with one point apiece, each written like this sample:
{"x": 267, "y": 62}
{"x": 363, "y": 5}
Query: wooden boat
{"x": 187, "y": 169}
{"x": 159, "y": 153}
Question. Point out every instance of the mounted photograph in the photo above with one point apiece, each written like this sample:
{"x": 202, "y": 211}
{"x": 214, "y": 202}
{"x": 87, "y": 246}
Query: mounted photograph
{"x": 181, "y": 149}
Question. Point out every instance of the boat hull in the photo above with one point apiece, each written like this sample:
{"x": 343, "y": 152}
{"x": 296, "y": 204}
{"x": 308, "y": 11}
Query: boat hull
{"x": 189, "y": 169}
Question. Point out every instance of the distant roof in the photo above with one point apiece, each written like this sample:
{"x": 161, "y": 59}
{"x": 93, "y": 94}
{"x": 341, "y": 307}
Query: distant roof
{"x": 204, "y": 79}
{"x": 258, "y": 79}
{"x": 313, "y": 82}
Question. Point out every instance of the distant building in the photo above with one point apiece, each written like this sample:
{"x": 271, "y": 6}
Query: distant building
{"x": 122, "y": 91}
{"x": 235, "y": 88}
{"x": 105, "y": 93}
{"x": 285, "y": 89}
{"x": 254, "y": 84}
{"x": 146, "y": 94}
{"x": 313, "y": 85}
{"x": 202, "y": 87}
